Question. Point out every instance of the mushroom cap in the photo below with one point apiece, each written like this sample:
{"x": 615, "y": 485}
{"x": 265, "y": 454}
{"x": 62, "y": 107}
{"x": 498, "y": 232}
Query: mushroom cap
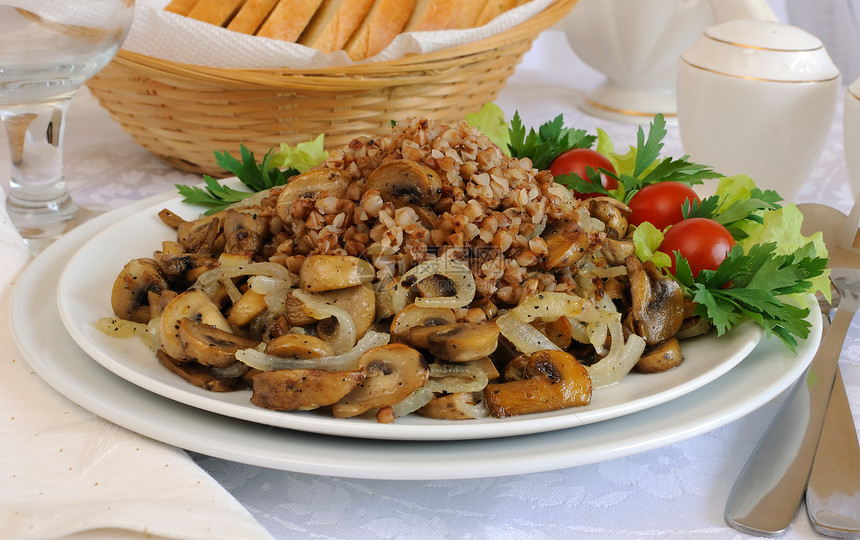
{"x": 657, "y": 303}
{"x": 406, "y": 181}
{"x": 393, "y": 371}
{"x": 129, "y": 297}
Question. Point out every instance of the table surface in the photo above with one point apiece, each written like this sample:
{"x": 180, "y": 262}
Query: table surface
{"x": 678, "y": 491}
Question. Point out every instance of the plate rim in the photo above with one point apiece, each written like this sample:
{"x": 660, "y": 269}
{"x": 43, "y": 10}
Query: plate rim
{"x": 255, "y": 444}
{"x": 745, "y": 339}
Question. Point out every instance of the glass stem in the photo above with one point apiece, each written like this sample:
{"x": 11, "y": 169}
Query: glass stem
{"x": 38, "y": 201}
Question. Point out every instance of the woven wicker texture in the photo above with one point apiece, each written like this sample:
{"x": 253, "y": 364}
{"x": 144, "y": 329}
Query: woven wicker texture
{"x": 184, "y": 113}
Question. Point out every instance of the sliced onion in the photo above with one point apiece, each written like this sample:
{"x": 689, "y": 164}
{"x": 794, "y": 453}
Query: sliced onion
{"x": 549, "y": 306}
{"x": 344, "y": 338}
{"x": 414, "y": 401}
{"x": 523, "y": 336}
{"x": 457, "y": 272}
{"x": 342, "y": 362}
{"x": 276, "y": 302}
{"x": 236, "y": 369}
{"x": 620, "y": 360}
{"x": 122, "y": 328}
{"x": 479, "y": 409}
{"x": 267, "y": 284}
{"x": 232, "y": 290}
{"x": 452, "y": 379}
{"x": 251, "y": 269}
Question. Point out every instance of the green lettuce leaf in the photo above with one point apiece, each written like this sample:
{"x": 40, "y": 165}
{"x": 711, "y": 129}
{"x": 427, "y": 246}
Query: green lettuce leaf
{"x": 782, "y": 227}
{"x": 490, "y": 120}
{"x": 647, "y": 238}
{"x": 301, "y": 157}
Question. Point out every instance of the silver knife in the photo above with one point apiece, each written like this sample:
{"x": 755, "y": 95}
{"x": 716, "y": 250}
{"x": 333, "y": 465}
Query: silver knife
{"x": 833, "y": 493}
{"x": 768, "y": 491}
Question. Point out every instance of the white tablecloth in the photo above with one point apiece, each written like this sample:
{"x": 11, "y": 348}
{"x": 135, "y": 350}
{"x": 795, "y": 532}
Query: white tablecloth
{"x": 678, "y": 491}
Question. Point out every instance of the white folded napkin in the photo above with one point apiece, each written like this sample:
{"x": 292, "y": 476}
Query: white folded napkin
{"x": 65, "y": 472}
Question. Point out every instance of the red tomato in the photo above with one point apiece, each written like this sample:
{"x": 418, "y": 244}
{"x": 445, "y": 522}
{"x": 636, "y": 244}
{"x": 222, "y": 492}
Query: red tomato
{"x": 702, "y": 241}
{"x": 660, "y": 203}
{"x": 577, "y": 160}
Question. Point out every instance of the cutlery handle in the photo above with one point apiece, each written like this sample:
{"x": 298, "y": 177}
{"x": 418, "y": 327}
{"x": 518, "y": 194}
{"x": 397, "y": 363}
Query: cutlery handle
{"x": 833, "y": 493}
{"x": 769, "y": 489}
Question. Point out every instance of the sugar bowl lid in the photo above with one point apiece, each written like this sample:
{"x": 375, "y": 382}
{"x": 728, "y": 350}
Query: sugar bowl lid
{"x": 762, "y": 50}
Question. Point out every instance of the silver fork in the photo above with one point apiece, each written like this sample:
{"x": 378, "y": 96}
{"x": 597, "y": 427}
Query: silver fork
{"x": 768, "y": 491}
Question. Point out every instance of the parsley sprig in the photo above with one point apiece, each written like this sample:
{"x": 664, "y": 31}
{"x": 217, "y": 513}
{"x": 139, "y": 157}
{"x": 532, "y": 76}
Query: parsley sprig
{"x": 752, "y": 285}
{"x": 733, "y": 215}
{"x": 649, "y": 167}
{"x": 547, "y": 143}
{"x": 256, "y": 176}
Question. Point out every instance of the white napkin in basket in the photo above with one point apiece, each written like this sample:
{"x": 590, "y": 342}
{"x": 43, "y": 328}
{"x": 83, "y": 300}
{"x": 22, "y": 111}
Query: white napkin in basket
{"x": 172, "y": 37}
{"x": 64, "y": 471}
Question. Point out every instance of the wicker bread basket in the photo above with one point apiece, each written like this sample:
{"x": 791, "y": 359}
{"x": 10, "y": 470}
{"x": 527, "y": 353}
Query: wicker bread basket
{"x": 184, "y": 113}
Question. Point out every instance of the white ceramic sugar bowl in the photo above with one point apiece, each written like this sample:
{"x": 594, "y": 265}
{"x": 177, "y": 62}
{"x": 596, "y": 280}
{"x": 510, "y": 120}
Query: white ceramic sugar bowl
{"x": 851, "y": 135}
{"x": 757, "y": 98}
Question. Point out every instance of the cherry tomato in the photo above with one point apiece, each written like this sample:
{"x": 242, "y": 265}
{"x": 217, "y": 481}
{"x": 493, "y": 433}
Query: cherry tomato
{"x": 660, "y": 203}
{"x": 577, "y": 160}
{"x": 702, "y": 241}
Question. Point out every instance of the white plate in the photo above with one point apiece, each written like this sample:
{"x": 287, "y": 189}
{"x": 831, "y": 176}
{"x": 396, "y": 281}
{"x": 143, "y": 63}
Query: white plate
{"x": 84, "y": 296}
{"x": 763, "y": 375}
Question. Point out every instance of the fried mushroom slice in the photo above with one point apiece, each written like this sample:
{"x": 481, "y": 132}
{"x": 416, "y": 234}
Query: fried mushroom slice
{"x": 657, "y": 309}
{"x": 320, "y": 273}
{"x": 456, "y": 406}
{"x": 566, "y": 244}
{"x": 192, "y": 304}
{"x": 198, "y": 375}
{"x": 211, "y": 346}
{"x": 413, "y": 323}
{"x": 298, "y": 346}
{"x": 130, "y": 295}
{"x": 393, "y": 371}
{"x": 302, "y": 389}
{"x": 245, "y": 230}
{"x": 661, "y": 357}
{"x": 613, "y": 213}
{"x": 308, "y": 185}
{"x": 406, "y": 181}
{"x": 463, "y": 342}
{"x": 553, "y": 380}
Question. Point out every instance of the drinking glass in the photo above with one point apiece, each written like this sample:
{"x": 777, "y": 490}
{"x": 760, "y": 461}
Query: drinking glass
{"x": 48, "y": 49}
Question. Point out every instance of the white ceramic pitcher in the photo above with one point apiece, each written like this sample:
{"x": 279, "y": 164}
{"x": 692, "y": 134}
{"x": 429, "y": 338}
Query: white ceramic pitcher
{"x": 637, "y": 44}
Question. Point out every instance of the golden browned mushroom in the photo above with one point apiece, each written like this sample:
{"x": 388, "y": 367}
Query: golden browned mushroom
{"x": 298, "y": 346}
{"x": 456, "y": 406}
{"x": 553, "y": 380}
{"x": 661, "y": 357}
{"x": 199, "y": 236}
{"x": 657, "y": 309}
{"x": 329, "y": 272}
{"x": 244, "y": 230}
{"x": 463, "y": 342}
{"x": 248, "y": 306}
{"x": 393, "y": 371}
{"x": 302, "y": 389}
{"x": 415, "y": 317}
{"x": 406, "y": 181}
{"x": 198, "y": 375}
{"x": 558, "y": 331}
{"x": 211, "y": 346}
{"x": 566, "y": 243}
{"x": 692, "y": 327}
{"x": 192, "y": 304}
{"x": 613, "y": 213}
{"x": 359, "y": 301}
{"x": 617, "y": 251}
{"x": 130, "y": 295}
{"x": 309, "y": 185}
